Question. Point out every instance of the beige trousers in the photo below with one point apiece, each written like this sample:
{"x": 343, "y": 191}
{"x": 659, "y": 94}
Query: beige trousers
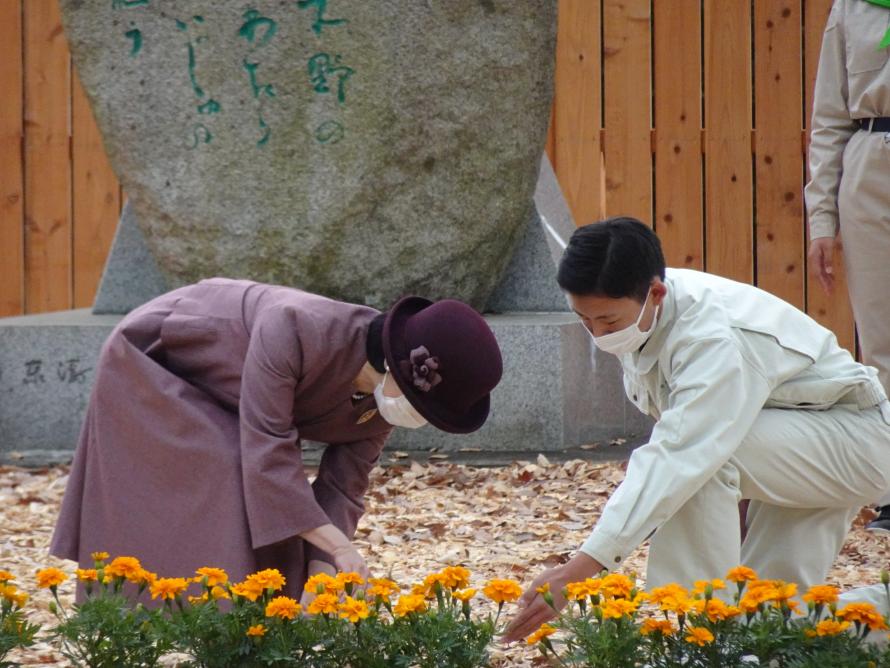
{"x": 864, "y": 212}
{"x": 807, "y": 474}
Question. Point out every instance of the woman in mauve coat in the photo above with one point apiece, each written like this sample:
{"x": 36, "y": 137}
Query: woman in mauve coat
{"x": 190, "y": 452}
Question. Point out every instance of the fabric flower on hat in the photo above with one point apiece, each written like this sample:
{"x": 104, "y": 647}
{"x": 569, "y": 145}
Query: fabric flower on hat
{"x": 423, "y": 369}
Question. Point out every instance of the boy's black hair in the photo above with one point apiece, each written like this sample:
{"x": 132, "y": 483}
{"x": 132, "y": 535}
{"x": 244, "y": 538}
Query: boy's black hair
{"x": 617, "y": 257}
{"x": 374, "y": 343}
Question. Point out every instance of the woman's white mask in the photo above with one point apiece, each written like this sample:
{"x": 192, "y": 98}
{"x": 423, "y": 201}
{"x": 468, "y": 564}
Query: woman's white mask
{"x": 629, "y": 339}
{"x": 398, "y": 411}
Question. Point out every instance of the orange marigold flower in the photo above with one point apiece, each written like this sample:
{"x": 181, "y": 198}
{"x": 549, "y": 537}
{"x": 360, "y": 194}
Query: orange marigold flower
{"x": 679, "y": 605}
{"x": 249, "y": 590}
{"x": 19, "y": 598}
{"x": 741, "y": 574}
{"x": 700, "y": 585}
{"x": 99, "y": 556}
{"x": 464, "y": 595}
{"x": 864, "y": 613}
{"x": 214, "y": 576}
{"x": 87, "y": 574}
{"x": 822, "y": 595}
{"x": 545, "y": 631}
{"x": 501, "y": 591}
{"x": 575, "y": 591}
{"x": 409, "y": 603}
{"x": 717, "y": 610}
{"x": 256, "y": 631}
{"x": 828, "y": 627}
{"x": 698, "y": 635}
{"x": 785, "y": 590}
{"x": 543, "y": 589}
{"x": 6, "y": 576}
{"x": 218, "y": 592}
{"x": 283, "y": 607}
{"x": 428, "y": 588}
{"x": 168, "y": 588}
{"x": 50, "y": 578}
{"x": 124, "y": 567}
{"x": 455, "y": 577}
{"x": 381, "y": 588}
{"x": 324, "y": 604}
{"x": 662, "y": 626}
{"x": 354, "y": 610}
{"x": 196, "y": 600}
{"x": 143, "y": 577}
{"x": 672, "y": 590}
{"x": 270, "y": 578}
{"x": 13, "y": 595}
{"x": 322, "y": 583}
{"x": 350, "y": 580}
{"x": 618, "y": 608}
{"x": 616, "y": 585}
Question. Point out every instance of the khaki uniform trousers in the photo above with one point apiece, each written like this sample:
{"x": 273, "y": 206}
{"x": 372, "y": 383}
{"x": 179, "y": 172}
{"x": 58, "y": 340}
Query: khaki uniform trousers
{"x": 807, "y": 474}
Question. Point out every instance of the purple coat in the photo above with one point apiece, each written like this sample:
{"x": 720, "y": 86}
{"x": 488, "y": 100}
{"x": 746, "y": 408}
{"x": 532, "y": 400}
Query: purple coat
{"x": 190, "y": 452}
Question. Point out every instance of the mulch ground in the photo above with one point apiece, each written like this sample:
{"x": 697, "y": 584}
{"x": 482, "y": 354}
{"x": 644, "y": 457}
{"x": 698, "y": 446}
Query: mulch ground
{"x": 501, "y": 522}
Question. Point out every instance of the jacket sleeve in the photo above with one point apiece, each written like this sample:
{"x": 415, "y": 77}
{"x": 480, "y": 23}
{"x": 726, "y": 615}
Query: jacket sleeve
{"x": 277, "y": 495}
{"x": 832, "y": 128}
{"x": 716, "y": 395}
{"x": 341, "y": 485}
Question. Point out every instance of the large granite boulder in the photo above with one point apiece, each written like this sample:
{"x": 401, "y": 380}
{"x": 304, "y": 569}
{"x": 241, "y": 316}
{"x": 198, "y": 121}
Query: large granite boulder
{"x": 359, "y": 149}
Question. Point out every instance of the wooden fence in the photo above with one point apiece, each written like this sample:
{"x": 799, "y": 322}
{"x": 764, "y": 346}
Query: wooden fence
{"x": 689, "y": 114}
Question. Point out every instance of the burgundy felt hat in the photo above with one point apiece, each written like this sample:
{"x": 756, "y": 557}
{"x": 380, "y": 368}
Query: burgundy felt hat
{"x": 445, "y": 360}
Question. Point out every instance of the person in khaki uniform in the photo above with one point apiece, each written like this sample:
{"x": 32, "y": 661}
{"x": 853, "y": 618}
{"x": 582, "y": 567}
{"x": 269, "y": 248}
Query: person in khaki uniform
{"x": 849, "y": 189}
{"x": 753, "y": 400}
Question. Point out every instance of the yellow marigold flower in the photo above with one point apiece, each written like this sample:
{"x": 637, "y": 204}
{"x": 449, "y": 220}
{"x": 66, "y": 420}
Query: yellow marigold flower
{"x": 322, "y": 583}
{"x": 196, "y": 600}
{"x": 679, "y": 605}
{"x": 13, "y": 595}
{"x": 409, "y": 603}
{"x": 354, "y": 610}
{"x": 428, "y": 588}
{"x": 218, "y": 592}
{"x": 672, "y": 590}
{"x": 50, "y": 578}
{"x": 19, "y": 598}
{"x": 381, "y": 588}
{"x": 249, "y": 590}
{"x": 168, "y": 588}
{"x": 270, "y": 578}
{"x": 700, "y": 585}
{"x": 829, "y": 627}
{"x": 616, "y": 585}
{"x": 87, "y": 574}
{"x": 6, "y": 576}
{"x": 543, "y": 589}
{"x": 256, "y": 631}
{"x": 456, "y": 577}
{"x": 143, "y": 577}
{"x": 822, "y": 595}
{"x": 464, "y": 595}
{"x": 215, "y": 576}
{"x": 617, "y": 608}
{"x": 662, "y": 626}
{"x": 324, "y": 604}
{"x": 864, "y": 613}
{"x": 99, "y": 556}
{"x": 283, "y": 607}
{"x": 699, "y": 635}
{"x": 501, "y": 591}
{"x": 125, "y": 567}
{"x": 785, "y": 590}
{"x": 350, "y": 580}
{"x": 741, "y": 574}
{"x": 545, "y": 631}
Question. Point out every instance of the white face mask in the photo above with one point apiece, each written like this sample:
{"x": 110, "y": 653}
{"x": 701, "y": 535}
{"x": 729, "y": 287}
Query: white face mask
{"x": 398, "y": 411}
{"x": 630, "y": 338}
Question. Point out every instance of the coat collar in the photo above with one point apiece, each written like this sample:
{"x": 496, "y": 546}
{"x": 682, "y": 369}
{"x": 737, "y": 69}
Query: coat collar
{"x": 645, "y": 359}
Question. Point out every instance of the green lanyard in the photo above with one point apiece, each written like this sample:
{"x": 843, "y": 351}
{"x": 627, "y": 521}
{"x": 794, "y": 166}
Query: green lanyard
{"x": 886, "y": 41}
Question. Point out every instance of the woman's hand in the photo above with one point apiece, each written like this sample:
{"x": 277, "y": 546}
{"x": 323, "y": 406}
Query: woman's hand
{"x": 821, "y": 260}
{"x": 348, "y": 560}
{"x": 535, "y": 610}
{"x": 333, "y": 541}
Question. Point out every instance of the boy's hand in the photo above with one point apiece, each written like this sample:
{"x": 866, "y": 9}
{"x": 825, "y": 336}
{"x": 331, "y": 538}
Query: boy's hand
{"x": 535, "y": 610}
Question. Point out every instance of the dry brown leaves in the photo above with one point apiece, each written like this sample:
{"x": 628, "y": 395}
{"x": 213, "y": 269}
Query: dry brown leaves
{"x": 500, "y": 522}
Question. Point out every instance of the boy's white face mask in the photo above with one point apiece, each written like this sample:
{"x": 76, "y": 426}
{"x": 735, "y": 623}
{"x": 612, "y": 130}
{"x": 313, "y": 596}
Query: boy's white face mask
{"x": 629, "y": 339}
{"x": 398, "y": 411}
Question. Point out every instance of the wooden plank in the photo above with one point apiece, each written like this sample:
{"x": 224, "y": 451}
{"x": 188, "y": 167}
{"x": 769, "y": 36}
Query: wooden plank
{"x": 678, "y": 155}
{"x": 728, "y": 173}
{"x": 577, "y": 117}
{"x": 778, "y": 100}
{"x": 832, "y": 311}
{"x": 96, "y": 201}
{"x": 47, "y": 160}
{"x": 12, "y": 212}
{"x": 628, "y": 99}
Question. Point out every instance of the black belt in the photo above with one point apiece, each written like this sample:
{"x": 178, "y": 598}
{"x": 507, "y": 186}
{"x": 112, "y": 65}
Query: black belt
{"x": 874, "y": 124}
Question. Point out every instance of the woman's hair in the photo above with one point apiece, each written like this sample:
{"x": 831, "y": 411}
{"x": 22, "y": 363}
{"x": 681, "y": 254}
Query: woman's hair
{"x": 374, "y": 343}
{"x": 616, "y": 258}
